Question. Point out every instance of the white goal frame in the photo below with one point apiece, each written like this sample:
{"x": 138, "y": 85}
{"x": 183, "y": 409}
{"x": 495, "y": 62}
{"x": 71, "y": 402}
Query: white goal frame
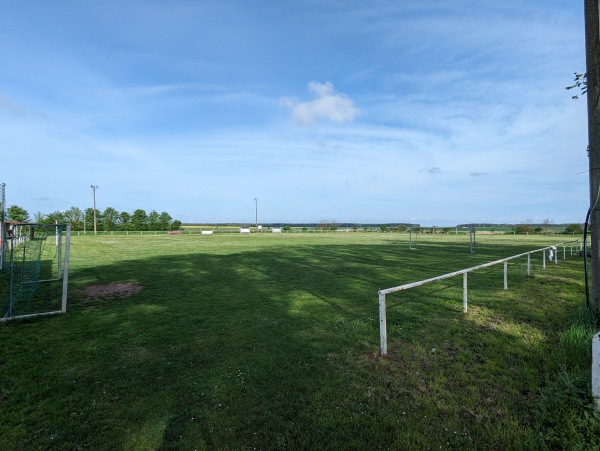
{"x": 62, "y": 270}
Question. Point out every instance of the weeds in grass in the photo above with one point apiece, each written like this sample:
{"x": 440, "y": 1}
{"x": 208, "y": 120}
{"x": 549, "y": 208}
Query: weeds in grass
{"x": 567, "y": 413}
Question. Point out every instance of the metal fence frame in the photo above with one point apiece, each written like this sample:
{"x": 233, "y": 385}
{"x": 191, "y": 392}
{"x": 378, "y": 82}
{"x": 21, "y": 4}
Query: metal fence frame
{"x": 464, "y": 272}
{"x": 63, "y": 273}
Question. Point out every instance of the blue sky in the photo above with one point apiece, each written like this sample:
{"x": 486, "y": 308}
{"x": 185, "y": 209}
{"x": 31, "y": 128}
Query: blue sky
{"x": 423, "y": 111}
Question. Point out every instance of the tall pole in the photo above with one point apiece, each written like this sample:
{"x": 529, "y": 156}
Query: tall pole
{"x": 94, "y": 188}
{"x": 592, "y": 46}
{"x": 256, "y": 209}
{"x": 2, "y": 230}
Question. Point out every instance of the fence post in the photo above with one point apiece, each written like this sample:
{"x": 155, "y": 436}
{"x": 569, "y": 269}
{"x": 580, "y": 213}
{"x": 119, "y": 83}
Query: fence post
{"x": 544, "y": 259}
{"x": 506, "y": 274}
{"x": 528, "y": 264}
{"x": 382, "y": 325}
{"x": 465, "y": 292}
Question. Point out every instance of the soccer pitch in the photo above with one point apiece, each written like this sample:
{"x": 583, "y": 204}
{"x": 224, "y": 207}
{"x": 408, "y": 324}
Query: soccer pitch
{"x": 271, "y": 341}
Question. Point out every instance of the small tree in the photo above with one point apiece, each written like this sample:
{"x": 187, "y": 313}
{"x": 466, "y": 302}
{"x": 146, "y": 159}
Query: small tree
{"x": 109, "y": 218}
{"x": 164, "y": 220}
{"x": 548, "y": 225}
{"x": 327, "y": 224}
{"x": 17, "y": 214}
{"x": 39, "y": 217}
{"x": 153, "y": 220}
{"x": 140, "y": 219}
{"x": 74, "y": 216}
{"x": 88, "y": 219}
{"x": 574, "y": 229}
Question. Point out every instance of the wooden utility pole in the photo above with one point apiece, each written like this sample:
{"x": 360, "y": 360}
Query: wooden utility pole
{"x": 592, "y": 46}
{"x": 94, "y": 188}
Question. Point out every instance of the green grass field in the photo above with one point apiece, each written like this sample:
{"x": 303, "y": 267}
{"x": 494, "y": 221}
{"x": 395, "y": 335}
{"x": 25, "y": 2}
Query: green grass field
{"x": 271, "y": 341}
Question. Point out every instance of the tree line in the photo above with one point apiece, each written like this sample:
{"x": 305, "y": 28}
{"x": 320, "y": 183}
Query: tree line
{"x": 107, "y": 220}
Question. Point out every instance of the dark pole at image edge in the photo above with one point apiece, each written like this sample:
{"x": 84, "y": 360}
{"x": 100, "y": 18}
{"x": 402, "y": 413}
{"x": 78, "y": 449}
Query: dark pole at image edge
{"x": 592, "y": 46}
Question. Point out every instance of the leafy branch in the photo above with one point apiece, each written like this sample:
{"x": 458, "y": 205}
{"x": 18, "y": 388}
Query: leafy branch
{"x": 580, "y": 82}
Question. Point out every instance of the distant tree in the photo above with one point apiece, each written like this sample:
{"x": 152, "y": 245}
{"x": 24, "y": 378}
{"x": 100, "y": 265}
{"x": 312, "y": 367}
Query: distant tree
{"x": 124, "y": 219}
{"x": 88, "y": 219}
{"x": 56, "y": 217}
{"x": 327, "y": 224}
{"x": 383, "y": 227}
{"x": 39, "y": 217}
{"x": 140, "y": 219}
{"x": 164, "y": 221}
{"x": 176, "y": 225}
{"x": 548, "y": 225}
{"x": 74, "y": 216}
{"x": 523, "y": 229}
{"x": 574, "y": 229}
{"x": 153, "y": 220}
{"x": 17, "y": 214}
{"x": 110, "y": 218}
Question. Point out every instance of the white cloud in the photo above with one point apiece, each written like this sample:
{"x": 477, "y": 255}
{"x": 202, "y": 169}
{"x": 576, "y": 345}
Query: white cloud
{"x": 327, "y": 105}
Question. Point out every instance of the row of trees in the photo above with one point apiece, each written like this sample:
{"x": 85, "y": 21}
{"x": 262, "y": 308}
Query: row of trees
{"x": 109, "y": 219}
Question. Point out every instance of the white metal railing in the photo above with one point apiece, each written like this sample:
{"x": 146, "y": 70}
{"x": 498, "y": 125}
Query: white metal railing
{"x": 553, "y": 253}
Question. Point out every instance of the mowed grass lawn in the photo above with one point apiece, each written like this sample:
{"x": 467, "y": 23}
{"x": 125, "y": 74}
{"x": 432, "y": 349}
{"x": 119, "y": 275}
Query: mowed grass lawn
{"x": 271, "y": 341}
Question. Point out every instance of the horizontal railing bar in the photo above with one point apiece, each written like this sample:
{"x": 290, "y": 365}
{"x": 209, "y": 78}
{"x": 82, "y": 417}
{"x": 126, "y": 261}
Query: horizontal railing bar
{"x": 463, "y": 271}
{"x": 32, "y": 315}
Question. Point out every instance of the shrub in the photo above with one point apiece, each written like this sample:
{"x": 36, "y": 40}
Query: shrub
{"x": 574, "y": 229}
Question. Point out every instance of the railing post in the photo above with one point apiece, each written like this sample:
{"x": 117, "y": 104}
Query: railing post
{"x": 564, "y": 251}
{"x": 465, "y": 292}
{"x": 506, "y": 274}
{"x": 556, "y": 256}
{"x": 528, "y": 264}
{"x": 382, "y": 325}
{"x": 544, "y": 259}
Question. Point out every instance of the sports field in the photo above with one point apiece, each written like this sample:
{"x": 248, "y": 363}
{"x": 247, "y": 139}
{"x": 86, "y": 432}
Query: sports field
{"x": 271, "y": 341}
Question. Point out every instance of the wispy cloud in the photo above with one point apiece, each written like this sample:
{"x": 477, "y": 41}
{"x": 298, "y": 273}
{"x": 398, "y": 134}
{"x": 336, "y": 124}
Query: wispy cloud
{"x": 16, "y": 109}
{"x": 433, "y": 171}
{"x": 327, "y": 105}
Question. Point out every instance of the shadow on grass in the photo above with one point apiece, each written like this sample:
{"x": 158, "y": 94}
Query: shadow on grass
{"x": 274, "y": 348}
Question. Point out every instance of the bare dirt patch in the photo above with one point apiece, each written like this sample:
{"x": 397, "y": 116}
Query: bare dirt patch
{"x": 112, "y": 290}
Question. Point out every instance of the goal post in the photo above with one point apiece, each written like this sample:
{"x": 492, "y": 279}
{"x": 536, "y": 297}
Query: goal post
{"x": 34, "y": 277}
